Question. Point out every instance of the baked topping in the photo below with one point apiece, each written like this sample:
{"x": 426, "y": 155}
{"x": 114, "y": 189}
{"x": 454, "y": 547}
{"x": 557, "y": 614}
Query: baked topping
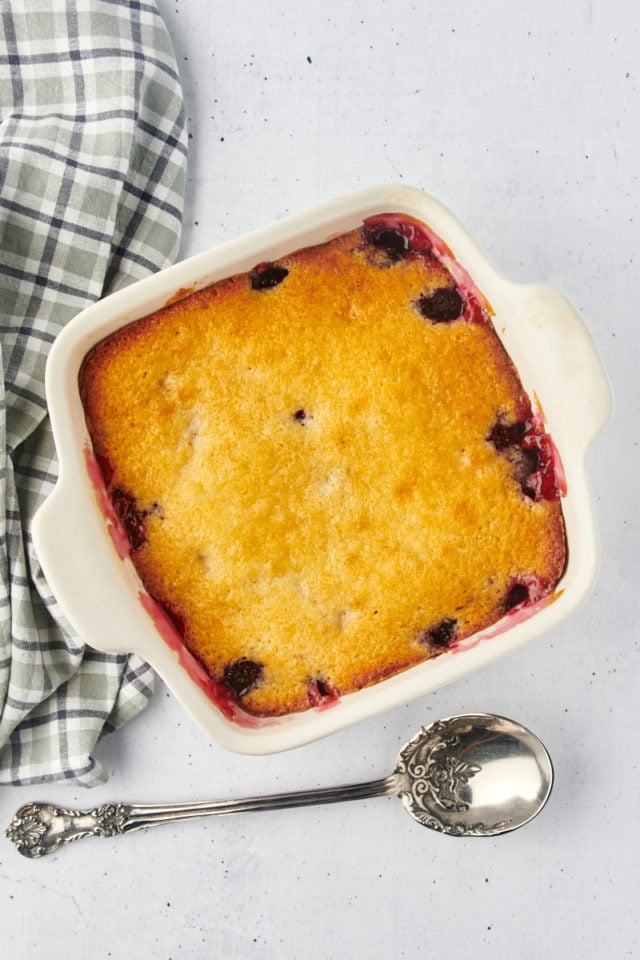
{"x": 323, "y": 475}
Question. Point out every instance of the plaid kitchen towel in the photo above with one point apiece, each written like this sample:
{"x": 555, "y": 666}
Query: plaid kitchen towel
{"x": 92, "y": 178}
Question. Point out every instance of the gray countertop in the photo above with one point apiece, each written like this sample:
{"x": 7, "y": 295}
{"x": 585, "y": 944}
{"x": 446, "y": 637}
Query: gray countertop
{"x": 523, "y": 119}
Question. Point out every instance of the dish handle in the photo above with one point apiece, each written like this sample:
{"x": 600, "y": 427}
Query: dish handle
{"x": 96, "y": 612}
{"x": 571, "y": 360}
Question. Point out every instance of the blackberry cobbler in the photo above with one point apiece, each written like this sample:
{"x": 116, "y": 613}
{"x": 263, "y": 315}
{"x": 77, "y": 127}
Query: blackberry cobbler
{"x": 327, "y": 467}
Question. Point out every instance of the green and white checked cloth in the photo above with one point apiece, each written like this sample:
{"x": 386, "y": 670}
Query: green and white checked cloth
{"x": 92, "y": 179}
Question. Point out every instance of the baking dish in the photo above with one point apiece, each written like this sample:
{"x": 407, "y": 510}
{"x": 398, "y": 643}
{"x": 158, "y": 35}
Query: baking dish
{"x": 96, "y": 583}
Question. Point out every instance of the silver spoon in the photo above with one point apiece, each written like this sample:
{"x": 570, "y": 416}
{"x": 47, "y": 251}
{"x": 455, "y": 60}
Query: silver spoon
{"x": 476, "y": 775}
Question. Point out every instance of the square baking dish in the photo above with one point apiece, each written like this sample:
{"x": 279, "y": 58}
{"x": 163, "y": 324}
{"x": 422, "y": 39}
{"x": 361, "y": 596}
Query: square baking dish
{"x": 96, "y": 583}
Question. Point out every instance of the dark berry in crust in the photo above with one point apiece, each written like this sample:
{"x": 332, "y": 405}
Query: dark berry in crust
{"x": 442, "y": 305}
{"x": 518, "y": 593}
{"x": 524, "y": 464}
{"x": 320, "y": 691}
{"x": 176, "y": 618}
{"x": 242, "y": 676}
{"x": 530, "y": 454}
{"x": 267, "y": 275}
{"x": 439, "y": 636}
{"x": 398, "y": 236}
{"x": 394, "y": 243}
{"x": 504, "y": 435}
{"x": 133, "y": 519}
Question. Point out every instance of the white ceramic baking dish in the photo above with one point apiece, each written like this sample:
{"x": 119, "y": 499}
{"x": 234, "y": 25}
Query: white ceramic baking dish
{"x": 100, "y": 592}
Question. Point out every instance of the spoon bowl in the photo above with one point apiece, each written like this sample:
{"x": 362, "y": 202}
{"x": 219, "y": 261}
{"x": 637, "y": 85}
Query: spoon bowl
{"x": 475, "y": 775}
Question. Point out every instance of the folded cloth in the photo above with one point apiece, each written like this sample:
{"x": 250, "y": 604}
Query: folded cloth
{"x": 92, "y": 179}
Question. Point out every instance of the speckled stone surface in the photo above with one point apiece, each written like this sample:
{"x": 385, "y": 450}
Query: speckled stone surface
{"x": 524, "y": 121}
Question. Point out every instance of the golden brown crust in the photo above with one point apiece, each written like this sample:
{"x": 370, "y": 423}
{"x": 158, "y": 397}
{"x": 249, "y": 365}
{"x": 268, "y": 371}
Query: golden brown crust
{"x": 314, "y": 472}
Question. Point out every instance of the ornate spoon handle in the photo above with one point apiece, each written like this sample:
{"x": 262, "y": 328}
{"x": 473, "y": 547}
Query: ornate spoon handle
{"x": 40, "y": 828}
